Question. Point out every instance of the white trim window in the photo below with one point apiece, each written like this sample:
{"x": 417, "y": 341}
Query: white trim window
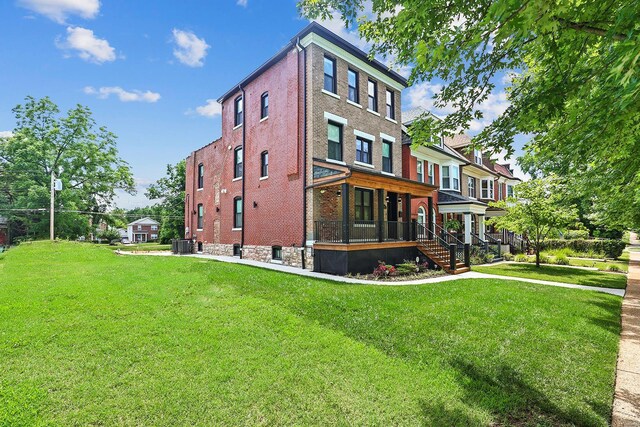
{"x": 430, "y": 173}
{"x": 420, "y": 170}
{"x": 500, "y": 191}
{"x": 477, "y": 156}
{"x": 487, "y": 189}
{"x": 437, "y": 140}
{"x": 450, "y": 177}
{"x": 509, "y": 190}
{"x": 471, "y": 187}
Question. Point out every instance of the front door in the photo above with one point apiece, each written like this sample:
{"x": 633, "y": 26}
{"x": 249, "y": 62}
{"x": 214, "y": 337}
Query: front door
{"x": 392, "y": 215}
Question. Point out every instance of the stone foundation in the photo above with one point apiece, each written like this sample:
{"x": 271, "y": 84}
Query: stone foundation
{"x": 218, "y": 249}
{"x": 291, "y": 256}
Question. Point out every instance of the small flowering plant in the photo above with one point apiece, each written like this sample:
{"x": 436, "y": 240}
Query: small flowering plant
{"x": 383, "y": 270}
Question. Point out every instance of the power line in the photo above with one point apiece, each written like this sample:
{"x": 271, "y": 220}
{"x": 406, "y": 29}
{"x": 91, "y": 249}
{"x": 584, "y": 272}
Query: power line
{"x": 39, "y": 210}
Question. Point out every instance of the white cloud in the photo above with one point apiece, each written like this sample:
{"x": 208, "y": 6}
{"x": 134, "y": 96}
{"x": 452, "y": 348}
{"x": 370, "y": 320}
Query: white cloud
{"x": 242, "y": 3}
{"x": 211, "y": 109}
{"x": 123, "y": 95}
{"x": 58, "y": 10}
{"x": 190, "y": 50}
{"x": 88, "y": 46}
{"x": 6, "y": 134}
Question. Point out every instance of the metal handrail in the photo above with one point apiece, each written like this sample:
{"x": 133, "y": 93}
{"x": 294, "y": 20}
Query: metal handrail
{"x": 451, "y": 238}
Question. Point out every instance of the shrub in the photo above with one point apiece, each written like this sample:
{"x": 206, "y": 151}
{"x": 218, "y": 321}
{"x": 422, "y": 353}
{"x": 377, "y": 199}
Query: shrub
{"x": 407, "y": 268}
{"x": 613, "y": 267}
{"x": 108, "y": 235}
{"x": 607, "y": 247}
{"x": 521, "y": 258}
{"x": 576, "y": 234}
{"x": 562, "y": 260}
{"x": 383, "y": 270}
{"x": 508, "y": 256}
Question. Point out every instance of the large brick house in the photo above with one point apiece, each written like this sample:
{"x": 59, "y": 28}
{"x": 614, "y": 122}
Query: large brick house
{"x": 143, "y": 230}
{"x": 309, "y": 168}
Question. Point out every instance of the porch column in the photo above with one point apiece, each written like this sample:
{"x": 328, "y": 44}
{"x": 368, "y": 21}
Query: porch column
{"x": 381, "y": 230}
{"x": 481, "y": 226}
{"x": 407, "y": 217}
{"x": 467, "y": 227}
{"x": 345, "y": 213}
{"x": 430, "y": 217}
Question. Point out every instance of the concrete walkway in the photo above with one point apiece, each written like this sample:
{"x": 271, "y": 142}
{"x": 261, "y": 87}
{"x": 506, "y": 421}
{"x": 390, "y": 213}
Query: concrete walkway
{"x": 626, "y": 403}
{"x": 342, "y": 279}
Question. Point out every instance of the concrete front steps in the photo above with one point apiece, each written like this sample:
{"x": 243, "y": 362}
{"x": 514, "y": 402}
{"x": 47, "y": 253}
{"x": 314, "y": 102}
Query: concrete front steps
{"x": 440, "y": 255}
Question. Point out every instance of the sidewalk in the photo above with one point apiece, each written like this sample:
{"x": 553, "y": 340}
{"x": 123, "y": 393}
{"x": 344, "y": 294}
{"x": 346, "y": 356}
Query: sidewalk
{"x": 626, "y": 403}
{"x": 343, "y": 279}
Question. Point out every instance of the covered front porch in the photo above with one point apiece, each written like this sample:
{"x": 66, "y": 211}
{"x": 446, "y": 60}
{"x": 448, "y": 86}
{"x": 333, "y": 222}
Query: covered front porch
{"x": 360, "y": 217}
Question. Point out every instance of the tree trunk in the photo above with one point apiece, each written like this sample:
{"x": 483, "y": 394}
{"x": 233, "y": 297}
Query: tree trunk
{"x": 537, "y": 256}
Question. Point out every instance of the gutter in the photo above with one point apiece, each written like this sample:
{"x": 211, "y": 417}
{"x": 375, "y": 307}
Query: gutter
{"x": 244, "y": 153}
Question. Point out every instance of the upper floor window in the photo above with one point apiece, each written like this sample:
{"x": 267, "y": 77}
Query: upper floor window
{"x": 471, "y": 186}
{"x": 451, "y": 178}
{"x": 420, "y": 171}
{"x": 477, "y": 156}
{"x": 354, "y": 86}
{"x": 200, "y": 216}
{"x": 387, "y": 156}
{"x": 330, "y": 75}
{"x": 264, "y": 105}
{"x": 363, "y": 204}
{"x": 334, "y": 143}
{"x": 500, "y": 191}
{"x": 430, "y": 172}
{"x": 363, "y": 150}
{"x": 238, "y": 109}
{"x": 139, "y": 227}
{"x": 486, "y": 191}
{"x": 437, "y": 140}
{"x": 509, "y": 190}
{"x": 372, "y": 91}
{"x": 264, "y": 164}
{"x": 237, "y": 162}
{"x": 200, "y": 175}
{"x": 154, "y": 228}
{"x": 391, "y": 104}
{"x": 237, "y": 212}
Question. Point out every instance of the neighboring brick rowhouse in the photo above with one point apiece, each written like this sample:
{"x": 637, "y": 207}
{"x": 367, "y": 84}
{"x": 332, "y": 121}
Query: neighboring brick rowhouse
{"x": 410, "y": 171}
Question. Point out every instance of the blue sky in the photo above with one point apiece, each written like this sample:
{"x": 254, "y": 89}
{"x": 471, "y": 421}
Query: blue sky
{"x": 147, "y": 69}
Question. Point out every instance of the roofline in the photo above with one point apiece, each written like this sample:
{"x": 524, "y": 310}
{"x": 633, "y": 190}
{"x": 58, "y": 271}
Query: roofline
{"x": 204, "y": 146}
{"x": 314, "y": 27}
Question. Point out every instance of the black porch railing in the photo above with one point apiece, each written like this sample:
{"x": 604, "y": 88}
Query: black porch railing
{"x": 361, "y": 231}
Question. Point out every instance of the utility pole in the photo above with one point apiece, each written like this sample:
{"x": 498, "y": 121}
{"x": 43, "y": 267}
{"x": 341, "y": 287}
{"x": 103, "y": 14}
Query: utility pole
{"x": 51, "y": 209}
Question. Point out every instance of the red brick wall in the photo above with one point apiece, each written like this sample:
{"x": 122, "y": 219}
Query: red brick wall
{"x": 410, "y": 171}
{"x": 3, "y": 236}
{"x": 277, "y": 217}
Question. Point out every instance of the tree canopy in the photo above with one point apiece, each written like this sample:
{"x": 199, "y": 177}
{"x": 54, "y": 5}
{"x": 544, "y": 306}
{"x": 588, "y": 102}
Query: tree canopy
{"x": 81, "y": 154}
{"x": 171, "y": 189}
{"x": 574, "y": 68}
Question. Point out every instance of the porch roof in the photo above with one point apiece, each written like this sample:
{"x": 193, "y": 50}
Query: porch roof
{"x": 328, "y": 174}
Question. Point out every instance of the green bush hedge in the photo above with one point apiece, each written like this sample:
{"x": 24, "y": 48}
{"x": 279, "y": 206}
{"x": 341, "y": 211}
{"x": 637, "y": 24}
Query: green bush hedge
{"x": 608, "y": 247}
{"x": 576, "y": 234}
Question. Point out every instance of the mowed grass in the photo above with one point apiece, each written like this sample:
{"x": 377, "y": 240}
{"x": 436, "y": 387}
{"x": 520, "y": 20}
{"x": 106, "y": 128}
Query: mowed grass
{"x": 93, "y": 338}
{"x": 144, "y": 247}
{"x": 561, "y": 274}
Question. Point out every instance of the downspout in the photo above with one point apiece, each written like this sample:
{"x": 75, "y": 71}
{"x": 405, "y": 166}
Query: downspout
{"x": 304, "y": 151}
{"x": 244, "y": 134}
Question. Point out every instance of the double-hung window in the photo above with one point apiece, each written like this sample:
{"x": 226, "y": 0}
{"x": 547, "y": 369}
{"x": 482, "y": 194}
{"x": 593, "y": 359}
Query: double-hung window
{"x": 237, "y": 212}
{"x": 391, "y": 105}
{"x": 509, "y": 190}
{"x": 264, "y": 164}
{"x": 363, "y": 204}
{"x": 455, "y": 177}
{"x": 487, "y": 189}
{"x": 200, "y": 176}
{"x": 330, "y": 74}
{"x": 237, "y": 162}
{"x": 500, "y": 191}
{"x": 446, "y": 178}
{"x": 372, "y": 91}
{"x": 238, "y": 109}
{"x": 471, "y": 186}
{"x": 363, "y": 150}
{"x": 430, "y": 173}
{"x": 334, "y": 141}
{"x": 477, "y": 156}
{"x": 200, "y": 216}
{"x": 420, "y": 171}
{"x": 387, "y": 159}
{"x": 451, "y": 177}
{"x": 264, "y": 105}
{"x": 354, "y": 87}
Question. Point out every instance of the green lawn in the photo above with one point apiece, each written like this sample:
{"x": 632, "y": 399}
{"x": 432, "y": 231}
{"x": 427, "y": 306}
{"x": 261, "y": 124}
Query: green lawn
{"x": 557, "y": 274}
{"x": 143, "y": 247}
{"x": 92, "y": 338}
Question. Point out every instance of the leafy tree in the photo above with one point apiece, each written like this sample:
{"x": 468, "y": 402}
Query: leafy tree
{"x": 171, "y": 189}
{"x": 537, "y": 209}
{"x": 83, "y": 156}
{"x": 575, "y": 83}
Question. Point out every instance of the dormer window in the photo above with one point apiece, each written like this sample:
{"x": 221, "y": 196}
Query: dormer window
{"x": 477, "y": 156}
